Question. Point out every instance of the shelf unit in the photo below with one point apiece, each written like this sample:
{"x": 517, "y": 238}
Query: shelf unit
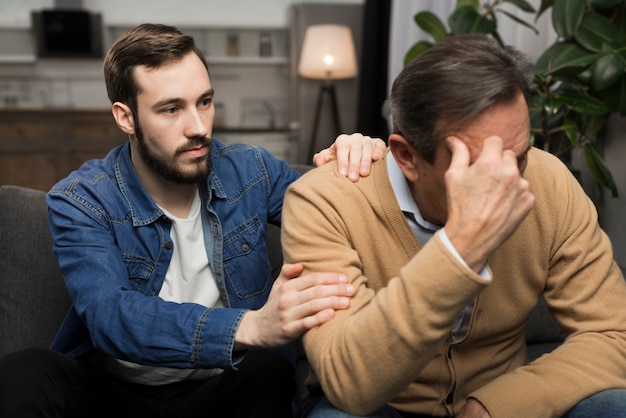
{"x": 61, "y": 95}
{"x": 18, "y": 59}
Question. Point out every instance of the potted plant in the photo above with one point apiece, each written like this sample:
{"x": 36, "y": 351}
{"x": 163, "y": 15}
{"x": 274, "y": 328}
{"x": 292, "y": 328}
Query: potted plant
{"x": 579, "y": 80}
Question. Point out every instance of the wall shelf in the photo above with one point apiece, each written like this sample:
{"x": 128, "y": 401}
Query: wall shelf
{"x": 18, "y": 59}
{"x": 244, "y": 60}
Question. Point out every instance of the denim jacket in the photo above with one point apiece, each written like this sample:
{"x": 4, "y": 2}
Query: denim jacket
{"x": 113, "y": 246}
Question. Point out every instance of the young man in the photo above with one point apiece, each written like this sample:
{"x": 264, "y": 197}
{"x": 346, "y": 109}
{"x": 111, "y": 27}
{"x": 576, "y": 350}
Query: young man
{"x": 450, "y": 242}
{"x": 162, "y": 246}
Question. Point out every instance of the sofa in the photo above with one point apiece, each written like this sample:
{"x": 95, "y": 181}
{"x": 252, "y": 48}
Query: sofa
{"x": 33, "y": 300}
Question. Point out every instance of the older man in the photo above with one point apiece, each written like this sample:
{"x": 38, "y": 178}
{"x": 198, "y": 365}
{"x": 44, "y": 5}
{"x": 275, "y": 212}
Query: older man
{"x": 449, "y": 243}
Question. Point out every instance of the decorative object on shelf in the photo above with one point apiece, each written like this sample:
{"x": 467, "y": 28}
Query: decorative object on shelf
{"x": 219, "y": 120}
{"x": 327, "y": 54}
{"x": 263, "y": 113}
{"x": 265, "y": 44}
{"x": 61, "y": 33}
{"x": 232, "y": 49}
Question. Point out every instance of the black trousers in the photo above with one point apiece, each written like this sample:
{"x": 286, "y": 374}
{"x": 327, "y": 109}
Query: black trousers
{"x": 44, "y": 383}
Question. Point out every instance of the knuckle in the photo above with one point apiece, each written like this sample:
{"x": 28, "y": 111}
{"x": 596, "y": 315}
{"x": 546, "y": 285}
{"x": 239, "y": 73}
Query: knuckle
{"x": 286, "y": 302}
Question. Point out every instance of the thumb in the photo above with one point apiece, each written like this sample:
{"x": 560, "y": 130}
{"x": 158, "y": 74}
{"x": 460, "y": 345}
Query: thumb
{"x": 460, "y": 153}
{"x": 290, "y": 271}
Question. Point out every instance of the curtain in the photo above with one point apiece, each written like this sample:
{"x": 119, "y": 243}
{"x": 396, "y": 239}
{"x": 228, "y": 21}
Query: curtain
{"x": 374, "y": 69}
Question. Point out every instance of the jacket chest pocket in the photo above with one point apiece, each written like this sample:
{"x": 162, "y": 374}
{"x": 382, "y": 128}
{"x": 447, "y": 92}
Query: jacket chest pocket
{"x": 140, "y": 270}
{"x": 246, "y": 263}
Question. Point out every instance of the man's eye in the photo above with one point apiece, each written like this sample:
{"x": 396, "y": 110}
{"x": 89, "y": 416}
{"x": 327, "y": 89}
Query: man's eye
{"x": 206, "y": 102}
{"x": 170, "y": 110}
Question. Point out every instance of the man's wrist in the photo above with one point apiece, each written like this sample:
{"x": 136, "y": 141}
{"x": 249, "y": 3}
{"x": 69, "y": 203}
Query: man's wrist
{"x": 483, "y": 271}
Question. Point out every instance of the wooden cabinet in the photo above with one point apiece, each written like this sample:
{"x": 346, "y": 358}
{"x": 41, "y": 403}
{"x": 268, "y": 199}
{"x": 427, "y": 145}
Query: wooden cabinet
{"x": 40, "y": 147}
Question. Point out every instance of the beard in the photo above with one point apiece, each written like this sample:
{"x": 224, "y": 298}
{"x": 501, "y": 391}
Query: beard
{"x": 167, "y": 167}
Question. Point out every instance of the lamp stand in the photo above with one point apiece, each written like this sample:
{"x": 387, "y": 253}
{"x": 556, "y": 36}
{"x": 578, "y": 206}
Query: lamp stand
{"x": 327, "y": 88}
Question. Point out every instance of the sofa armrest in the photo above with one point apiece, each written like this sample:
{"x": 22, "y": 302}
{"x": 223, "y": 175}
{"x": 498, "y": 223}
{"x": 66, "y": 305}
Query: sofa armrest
{"x": 33, "y": 299}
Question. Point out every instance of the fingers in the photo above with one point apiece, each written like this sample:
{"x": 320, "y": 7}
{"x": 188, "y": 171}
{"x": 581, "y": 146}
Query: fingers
{"x": 313, "y": 293}
{"x": 309, "y": 322}
{"x": 379, "y": 149}
{"x": 310, "y": 300}
{"x": 460, "y": 153}
{"x": 291, "y": 271}
{"x": 324, "y": 156}
{"x": 372, "y": 150}
{"x": 354, "y": 154}
{"x": 487, "y": 199}
{"x": 295, "y": 305}
{"x": 349, "y": 151}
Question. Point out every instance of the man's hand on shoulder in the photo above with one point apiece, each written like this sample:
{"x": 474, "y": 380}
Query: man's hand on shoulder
{"x": 354, "y": 154}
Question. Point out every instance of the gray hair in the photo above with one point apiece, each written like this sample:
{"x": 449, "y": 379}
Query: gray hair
{"x": 451, "y": 83}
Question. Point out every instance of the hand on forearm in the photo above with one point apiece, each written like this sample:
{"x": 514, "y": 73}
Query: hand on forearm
{"x": 295, "y": 305}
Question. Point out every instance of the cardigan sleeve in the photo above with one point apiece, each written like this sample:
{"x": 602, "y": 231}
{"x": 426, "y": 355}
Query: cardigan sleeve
{"x": 585, "y": 291}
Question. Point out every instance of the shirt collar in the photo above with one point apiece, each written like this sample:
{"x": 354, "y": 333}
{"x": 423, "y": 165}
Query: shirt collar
{"x": 403, "y": 194}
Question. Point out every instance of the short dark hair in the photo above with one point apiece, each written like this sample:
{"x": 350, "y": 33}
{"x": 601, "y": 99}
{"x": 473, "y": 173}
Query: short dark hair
{"x": 451, "y": 83}
{"x": 150, "y": 45}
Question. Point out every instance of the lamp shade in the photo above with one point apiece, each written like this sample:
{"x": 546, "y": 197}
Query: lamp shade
{"x": 327, "y": 53}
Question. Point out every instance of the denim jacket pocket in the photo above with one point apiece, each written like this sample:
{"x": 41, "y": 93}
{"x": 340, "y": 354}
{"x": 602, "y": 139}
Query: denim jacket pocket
{"x": 140, "y": 270}
{"x": 246, "y": 263}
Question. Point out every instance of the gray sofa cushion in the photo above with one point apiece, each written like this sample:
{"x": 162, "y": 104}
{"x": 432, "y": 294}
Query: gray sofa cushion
{"x": 33, "y": 300}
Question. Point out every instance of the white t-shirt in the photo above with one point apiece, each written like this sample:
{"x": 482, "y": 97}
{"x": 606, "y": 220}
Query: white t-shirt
{"x": 188, "y": 279}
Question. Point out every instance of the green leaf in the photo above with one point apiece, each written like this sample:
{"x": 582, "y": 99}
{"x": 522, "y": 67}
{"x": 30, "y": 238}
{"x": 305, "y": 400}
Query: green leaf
{"x": 570, "y": 128}
{"x": 567, "y": 15}
{"x": 520, "y": 21}
{"x": 431, "y": 24}
{"x": 584, "y": 104}
{"x": 595, "y": 31}
{"x": 521, "y": 4}
{"x": 474, "y": 4}
{"x": 604, "y": 4}
{"x": 564, "y": 58}
{"x": 591, "y": 124}
{"x": 552, "y": 105}
{"x": 416, "y": 50}
{"x": 615, "y": 98}
{"x": 620, "y": 24}
{"x": 585, "y": 76}
{"x": 599, "y": 171}
{"x": 607, "y": 70}
{"x": 545, "y": 5}
{"x": 465, "y": 20}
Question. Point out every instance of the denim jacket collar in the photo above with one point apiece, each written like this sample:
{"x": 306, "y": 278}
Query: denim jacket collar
{"x": 143, "y": 208}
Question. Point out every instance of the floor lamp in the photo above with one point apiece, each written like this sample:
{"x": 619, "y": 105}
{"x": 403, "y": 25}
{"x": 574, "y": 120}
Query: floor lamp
{"x": 327, "y": 54}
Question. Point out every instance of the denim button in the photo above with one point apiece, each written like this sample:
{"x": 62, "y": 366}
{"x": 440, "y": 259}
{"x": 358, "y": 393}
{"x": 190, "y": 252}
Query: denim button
{"x": 245, "y": 247}
{"x": 168, "y": 245}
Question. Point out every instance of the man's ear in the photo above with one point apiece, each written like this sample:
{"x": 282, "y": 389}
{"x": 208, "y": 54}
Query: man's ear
{"x": 403, "y": 153}
{"x": 123, "y": 117}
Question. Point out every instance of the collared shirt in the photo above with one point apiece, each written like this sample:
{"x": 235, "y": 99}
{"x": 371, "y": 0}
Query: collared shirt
{"x": 425, "y": 230}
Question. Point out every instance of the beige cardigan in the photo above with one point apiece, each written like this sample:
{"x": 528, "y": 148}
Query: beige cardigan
{"x": 393, "y": 344}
